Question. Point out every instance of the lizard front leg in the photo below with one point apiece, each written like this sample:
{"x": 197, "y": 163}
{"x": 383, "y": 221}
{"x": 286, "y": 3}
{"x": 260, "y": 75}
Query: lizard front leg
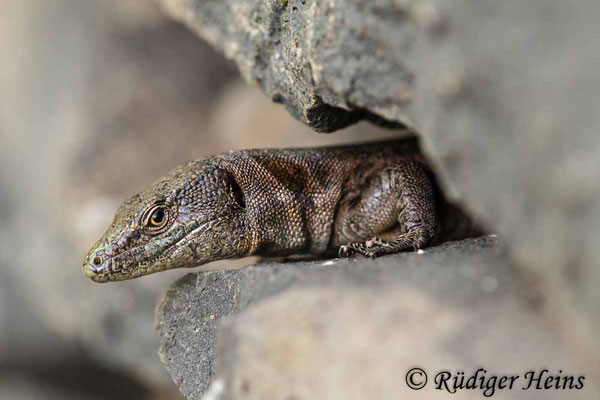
{"x": 395, "y": 212}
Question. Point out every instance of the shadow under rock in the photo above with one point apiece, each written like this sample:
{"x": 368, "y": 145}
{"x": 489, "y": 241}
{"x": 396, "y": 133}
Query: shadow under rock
{"x": 75, "y": 378}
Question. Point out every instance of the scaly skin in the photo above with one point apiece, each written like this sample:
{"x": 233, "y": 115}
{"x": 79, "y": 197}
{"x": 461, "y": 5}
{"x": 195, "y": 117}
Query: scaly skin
{"x": 371, "y": 199}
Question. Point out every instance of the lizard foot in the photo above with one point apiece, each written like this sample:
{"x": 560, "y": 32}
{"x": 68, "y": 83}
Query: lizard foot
{"x": 376, "y": 247}
{"x": 350, "y": 249}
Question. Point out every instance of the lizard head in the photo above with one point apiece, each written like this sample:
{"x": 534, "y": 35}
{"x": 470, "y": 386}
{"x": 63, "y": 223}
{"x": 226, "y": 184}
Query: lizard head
{"x": 194, "y": 215}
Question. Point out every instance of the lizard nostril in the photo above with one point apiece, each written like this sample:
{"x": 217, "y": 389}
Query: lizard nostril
{"x": 97, "y": 260}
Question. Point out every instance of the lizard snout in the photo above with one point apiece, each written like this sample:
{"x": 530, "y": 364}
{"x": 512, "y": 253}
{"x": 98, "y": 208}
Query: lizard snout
{"x": 95, "y": 262}
{"x": 92, "y": 265}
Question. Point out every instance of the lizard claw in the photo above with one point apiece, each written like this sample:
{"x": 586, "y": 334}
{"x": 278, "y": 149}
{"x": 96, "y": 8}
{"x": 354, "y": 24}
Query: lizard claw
{"x": 350, "y": 249}
{"x": 345, "y": 251}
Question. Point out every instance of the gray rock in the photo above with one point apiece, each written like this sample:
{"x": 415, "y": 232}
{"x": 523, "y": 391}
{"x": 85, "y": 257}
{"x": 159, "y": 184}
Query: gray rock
{"x": 359, "y": 343}
{"x": 507, "y": 106}
{"x": 330, "y": 63}
{"x": 503, "y": 92}
{"x": 458, "y": 305}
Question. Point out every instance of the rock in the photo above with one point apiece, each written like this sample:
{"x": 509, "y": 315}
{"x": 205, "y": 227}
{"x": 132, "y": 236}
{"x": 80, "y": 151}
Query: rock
{"x": 359, "y": 343}
{"x": 509, "y": 96}
{"x": 503, "y": 92}
{"x": 309, "y": 329}
{"x": 330, "y": 63}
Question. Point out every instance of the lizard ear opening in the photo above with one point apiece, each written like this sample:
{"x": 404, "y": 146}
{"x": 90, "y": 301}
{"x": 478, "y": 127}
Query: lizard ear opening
{"x": 237, "y": 193}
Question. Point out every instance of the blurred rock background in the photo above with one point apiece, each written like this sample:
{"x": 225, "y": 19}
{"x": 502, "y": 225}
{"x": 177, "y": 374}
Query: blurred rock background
{"x": 97, "y": 100}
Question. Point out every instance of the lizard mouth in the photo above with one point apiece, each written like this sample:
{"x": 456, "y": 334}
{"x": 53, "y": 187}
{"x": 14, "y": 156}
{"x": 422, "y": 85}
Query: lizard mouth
{"x": 137, "y": 261}
{"x": 112, "y": 276}
{"x": 118, "y": 267}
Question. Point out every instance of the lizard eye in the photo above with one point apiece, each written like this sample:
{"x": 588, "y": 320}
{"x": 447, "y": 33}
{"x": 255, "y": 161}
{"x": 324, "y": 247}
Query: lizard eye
{"x": 156, "y": 218}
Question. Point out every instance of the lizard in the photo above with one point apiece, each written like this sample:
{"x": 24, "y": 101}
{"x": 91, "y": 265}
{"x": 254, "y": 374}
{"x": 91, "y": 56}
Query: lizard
{"x": 369, "y": 199}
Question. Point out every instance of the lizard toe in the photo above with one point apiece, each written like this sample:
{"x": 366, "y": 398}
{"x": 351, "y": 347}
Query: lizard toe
{"x": 344, "y": 251}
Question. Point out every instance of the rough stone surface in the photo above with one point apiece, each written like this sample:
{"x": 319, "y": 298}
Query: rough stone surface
{"x": 459, "y": 305}
{"x": 503, "y": 92}
{"x": 358, "y": 344}
{"x": 331, "y": 63}
{"x": 509, "y": 96}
